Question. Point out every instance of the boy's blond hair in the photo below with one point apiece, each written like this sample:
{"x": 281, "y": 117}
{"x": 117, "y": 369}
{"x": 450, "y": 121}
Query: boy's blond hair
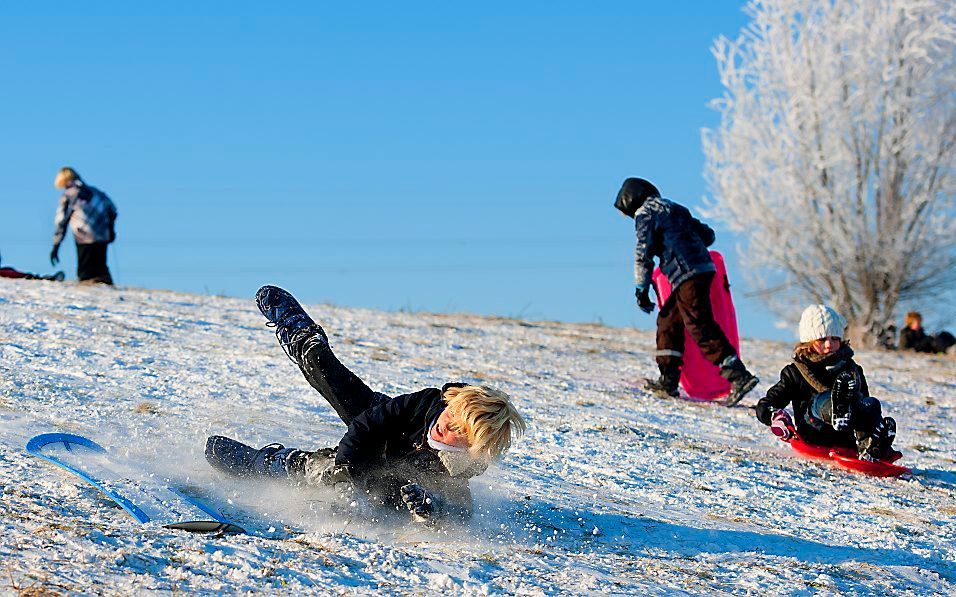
{"x": 65, "y": 177}
{"x": 912, "y": 316}
{"x": 486, "y": 417}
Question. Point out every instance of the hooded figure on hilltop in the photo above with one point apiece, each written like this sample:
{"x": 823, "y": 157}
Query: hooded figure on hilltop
{"x": 668, "y": 231}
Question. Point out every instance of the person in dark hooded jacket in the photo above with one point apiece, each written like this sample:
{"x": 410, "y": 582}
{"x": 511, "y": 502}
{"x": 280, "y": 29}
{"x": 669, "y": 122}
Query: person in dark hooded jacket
{"x": 827, "y": 389}
{"x": 668, "y": 231}
{"x": 413, "y": 452}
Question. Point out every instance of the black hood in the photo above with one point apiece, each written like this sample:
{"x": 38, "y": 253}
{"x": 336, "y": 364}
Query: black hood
{"x": 632, "y": 195}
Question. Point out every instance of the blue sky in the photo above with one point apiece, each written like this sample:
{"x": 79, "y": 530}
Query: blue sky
{"x": 424, "y": 156}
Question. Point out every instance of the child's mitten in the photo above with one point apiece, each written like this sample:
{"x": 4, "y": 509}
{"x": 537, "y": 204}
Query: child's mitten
{"x": 782, "y": 425}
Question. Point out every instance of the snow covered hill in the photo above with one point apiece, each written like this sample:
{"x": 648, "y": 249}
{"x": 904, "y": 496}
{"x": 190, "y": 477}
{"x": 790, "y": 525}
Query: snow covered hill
{"x": 613, "y": 491}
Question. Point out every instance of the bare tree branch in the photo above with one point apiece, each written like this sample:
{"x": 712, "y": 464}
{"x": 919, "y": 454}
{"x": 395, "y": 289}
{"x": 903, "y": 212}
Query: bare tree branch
{"x": 835, "y": 153}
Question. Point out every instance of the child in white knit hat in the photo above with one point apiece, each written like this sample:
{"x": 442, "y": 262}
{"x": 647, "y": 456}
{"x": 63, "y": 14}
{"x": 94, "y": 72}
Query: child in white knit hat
{"x": 831, "y": 402}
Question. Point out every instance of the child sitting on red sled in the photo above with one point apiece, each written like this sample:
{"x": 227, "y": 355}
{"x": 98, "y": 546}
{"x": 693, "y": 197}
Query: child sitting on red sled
{"x": 828, "y": 391}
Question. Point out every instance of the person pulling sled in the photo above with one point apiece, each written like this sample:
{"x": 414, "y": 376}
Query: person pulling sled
{"x": 668, "y": 231}
{"x": 828, "y": 392}
{"x": 413, "y": 452}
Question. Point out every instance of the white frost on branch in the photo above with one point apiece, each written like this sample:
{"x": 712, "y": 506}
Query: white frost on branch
{"x": 835, "y": 153}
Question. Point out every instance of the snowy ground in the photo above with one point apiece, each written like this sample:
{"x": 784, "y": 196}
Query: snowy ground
{"x": 613, "y": 491}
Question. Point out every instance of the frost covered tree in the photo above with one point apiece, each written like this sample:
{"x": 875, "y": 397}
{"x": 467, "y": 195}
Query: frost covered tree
{"x": 835, "y": 152}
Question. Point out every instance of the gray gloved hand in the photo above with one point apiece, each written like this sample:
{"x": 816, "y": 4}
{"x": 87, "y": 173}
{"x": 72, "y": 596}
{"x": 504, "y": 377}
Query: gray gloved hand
{"x": 55, "y": 255}
{"x": 320, "y": 469}
{"x": 334, "y": 475}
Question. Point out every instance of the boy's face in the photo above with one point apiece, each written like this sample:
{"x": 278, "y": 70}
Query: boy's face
{"x": 827, "y": 345}
{"x": 443, "y": 433}
{"x": 915, "y": 324}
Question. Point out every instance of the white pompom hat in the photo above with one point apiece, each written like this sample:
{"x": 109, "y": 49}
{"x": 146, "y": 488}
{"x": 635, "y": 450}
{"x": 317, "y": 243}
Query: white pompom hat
{"x": 820, "y": 321}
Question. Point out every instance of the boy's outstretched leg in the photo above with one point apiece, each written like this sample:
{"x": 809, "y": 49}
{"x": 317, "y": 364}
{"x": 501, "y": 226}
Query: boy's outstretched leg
{"x": 275, "y": 461}
{"x": 306, "y": 343}
{"x": 236, "y": 458}
{"x": 295, "y": 330}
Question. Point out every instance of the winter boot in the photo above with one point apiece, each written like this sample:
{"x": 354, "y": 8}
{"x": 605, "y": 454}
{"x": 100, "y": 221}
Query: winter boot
{"x": 889, "y": 434}
{"x": 236, "y": 458}
{"x": 843, "y": 394}
{"x": 885, "y": 433}
{"x": 665, "y": 386}
{"x": 741, "y": 380}
{"x": 295, "y": 330}
{"x": 877, "y": 443}
{"x": 868, "y": 445}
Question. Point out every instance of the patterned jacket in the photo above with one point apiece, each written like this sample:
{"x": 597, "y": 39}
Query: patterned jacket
{"x": 89, "y": 213}
{"x": 667, "y": 230}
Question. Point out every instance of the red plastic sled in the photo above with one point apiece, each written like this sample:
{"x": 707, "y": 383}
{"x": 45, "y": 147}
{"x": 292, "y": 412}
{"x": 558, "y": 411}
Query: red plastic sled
{"x": 847, "y": 458}
{"x": 699, "y": 377}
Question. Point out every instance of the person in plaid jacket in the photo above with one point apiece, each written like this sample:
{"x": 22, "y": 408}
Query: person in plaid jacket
{"x": 91, "y": 215}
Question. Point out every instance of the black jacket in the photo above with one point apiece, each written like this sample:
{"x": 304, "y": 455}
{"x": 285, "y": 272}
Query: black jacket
{"x": 667, "y": 230}
{"x": 916, "y": 340}
{"x": 386, "y": 447}
{"x": 793, "y": 388}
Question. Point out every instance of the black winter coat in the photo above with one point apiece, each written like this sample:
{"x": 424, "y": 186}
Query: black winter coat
{"x": 668, "y": 231}
{"x": 916, "y": 340}
{"x": 793, "y": 388}
{"x": 386, "y": 447}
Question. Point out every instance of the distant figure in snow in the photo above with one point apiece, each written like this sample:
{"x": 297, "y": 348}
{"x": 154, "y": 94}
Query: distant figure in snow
{"x": 913, "y": 337}
{"x": 828, "y": 391}
{"x": 9, "y": 272}
{"x": 413, "y": 452}
{"x": 668, "y": 231}
{"x": 91, "y": 216}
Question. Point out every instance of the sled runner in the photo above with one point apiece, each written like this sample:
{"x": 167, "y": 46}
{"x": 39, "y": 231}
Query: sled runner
{"x": 125, "y": 486}
{"x": 847, "y": 458}
{"x": 699, "y": 377}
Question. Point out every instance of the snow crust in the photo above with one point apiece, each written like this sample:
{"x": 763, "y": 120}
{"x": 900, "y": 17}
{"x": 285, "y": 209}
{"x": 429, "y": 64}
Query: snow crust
{"x": 613, "y": 491}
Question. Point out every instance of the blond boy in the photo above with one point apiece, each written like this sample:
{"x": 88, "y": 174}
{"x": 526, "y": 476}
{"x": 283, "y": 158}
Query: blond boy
{"x": 413, "y": 452}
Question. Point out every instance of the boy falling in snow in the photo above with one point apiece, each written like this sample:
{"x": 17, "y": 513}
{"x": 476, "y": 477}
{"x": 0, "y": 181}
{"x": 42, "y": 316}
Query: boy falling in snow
{"x": 415, "y": 451}
{"x": 831, "y": 401}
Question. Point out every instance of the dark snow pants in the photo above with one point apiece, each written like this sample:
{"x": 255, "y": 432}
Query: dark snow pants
{"x": 347, "y": 394}
{"x": 91, "y": 263}
{"x": 688, "y": 307}
{"x": 866, "y": 416}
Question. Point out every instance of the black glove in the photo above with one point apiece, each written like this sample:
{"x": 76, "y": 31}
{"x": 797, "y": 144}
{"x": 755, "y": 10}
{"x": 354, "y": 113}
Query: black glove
{"x": 644, "y": 302}
{"x": 55, "y": 255}
{"x": 419, "y": 502}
